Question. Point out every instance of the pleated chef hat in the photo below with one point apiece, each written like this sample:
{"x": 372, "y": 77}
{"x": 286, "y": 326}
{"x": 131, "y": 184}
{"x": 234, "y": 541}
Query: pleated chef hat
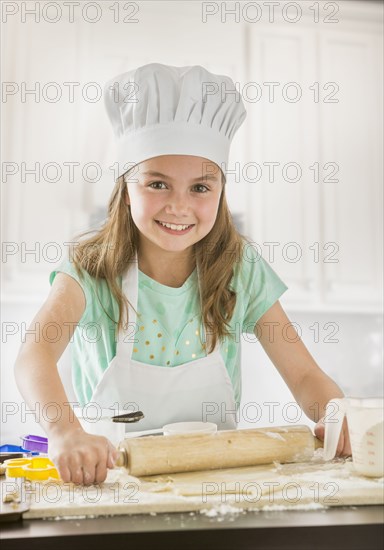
{"x": 165, "y": 110}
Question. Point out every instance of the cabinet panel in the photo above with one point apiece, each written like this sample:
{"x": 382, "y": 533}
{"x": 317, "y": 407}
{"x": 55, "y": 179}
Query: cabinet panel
{"x": 284, "y": 214}
{"x": 352, "y": 207}
{"x": 38, "y": 138}
{"x": 334, "y": 133}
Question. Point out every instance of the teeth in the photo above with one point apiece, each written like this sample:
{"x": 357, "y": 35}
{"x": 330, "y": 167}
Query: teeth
{"x": 174, "y": 227}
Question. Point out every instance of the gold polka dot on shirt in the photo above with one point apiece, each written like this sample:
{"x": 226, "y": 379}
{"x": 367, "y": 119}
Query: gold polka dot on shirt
{"x": 154, "y": 321}
{"x": 147, "y": 342}
{"x": 159, "y": 335}
{"x": 135, "y": 350}
{"x": 163, "y": 348}
{"x": 151, "y": 356}
{"x": 142, "y": 327}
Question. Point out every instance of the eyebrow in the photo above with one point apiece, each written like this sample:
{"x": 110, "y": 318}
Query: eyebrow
{"x": 160, "y": 175}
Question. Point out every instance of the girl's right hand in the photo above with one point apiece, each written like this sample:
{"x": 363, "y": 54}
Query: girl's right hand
{"x": 344, "y": 443}
{"x": 81, "y": 457}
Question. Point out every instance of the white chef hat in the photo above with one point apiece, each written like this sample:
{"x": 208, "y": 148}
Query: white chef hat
{"x": 165, "y": 110}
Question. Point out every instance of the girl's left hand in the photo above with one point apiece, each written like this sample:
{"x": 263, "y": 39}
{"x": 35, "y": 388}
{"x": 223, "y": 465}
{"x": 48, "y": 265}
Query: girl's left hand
{"x": 344, "y": 445}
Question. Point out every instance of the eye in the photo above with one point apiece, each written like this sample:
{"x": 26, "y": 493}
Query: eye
{"x": 199, "y": 187}
{"x": 203, "y": 188}
{"x": 154, "y": 183}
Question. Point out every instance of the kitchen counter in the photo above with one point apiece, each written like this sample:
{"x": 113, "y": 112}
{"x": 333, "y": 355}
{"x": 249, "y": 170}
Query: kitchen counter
{"x": 348, "y": 527}
{"x": 354, "y": 521}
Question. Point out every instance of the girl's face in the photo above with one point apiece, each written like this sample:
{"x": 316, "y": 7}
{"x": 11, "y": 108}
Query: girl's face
{"x": 180, "y": 191}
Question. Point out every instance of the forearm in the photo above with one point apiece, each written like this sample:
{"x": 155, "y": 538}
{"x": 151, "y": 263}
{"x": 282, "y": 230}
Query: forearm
{"x": 314, "y": 392}
{"x": 40, "y": 385}
{"x": 310, "y": 386}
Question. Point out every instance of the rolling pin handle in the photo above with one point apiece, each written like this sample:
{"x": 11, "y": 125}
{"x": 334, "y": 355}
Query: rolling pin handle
{"x": 122, "y": 458}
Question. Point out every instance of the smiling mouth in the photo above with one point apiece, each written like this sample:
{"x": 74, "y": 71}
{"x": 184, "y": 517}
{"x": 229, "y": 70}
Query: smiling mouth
{"x": 174, "y": 227}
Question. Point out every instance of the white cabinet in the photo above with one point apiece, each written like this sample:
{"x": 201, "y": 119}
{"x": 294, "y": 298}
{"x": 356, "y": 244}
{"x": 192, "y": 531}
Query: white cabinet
{"x": 283, "y": 211}
{"x": 326, "y": 228}
{"x": 351, "y": 209}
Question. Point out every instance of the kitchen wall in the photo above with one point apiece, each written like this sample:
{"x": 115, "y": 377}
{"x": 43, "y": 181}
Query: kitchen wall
{"x": 337, "y": 305}
{"x": 352, "y": 356}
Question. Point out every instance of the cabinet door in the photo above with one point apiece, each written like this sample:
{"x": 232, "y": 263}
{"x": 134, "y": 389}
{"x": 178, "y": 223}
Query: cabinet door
{"x": 351, "y": 208}
{"x": 38, "y": 199}
{"x": 283, "y": 206}
{"x": 331, "y": 218}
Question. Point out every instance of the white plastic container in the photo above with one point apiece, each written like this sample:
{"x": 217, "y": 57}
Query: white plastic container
{"x": 190, "y": 427}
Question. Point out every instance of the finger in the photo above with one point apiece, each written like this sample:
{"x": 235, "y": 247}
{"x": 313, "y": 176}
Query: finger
{"x": 319, "y": 431}
{"x": 63, "y": 467}
{"x": 64, "y": 473}
{"x": 77, "y": 475}
{"x": 347, "y": 443}
{"x": 347, "y": 451}
{"x": 101, "y": 472}
{"x": 76, "y": 470}
{"x": 89, "y": 462}
{"x": 111, "y": 462}
{"x": 112, "y": 456}
{"x": 89, "y": 474}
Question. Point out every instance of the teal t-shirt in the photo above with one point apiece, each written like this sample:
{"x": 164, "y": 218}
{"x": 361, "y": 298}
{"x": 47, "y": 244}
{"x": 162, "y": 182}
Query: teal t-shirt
{"x": 169, "y": 325}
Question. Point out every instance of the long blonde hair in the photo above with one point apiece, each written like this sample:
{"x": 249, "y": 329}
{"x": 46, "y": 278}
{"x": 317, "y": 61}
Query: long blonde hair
{"x": 106, "y": 255}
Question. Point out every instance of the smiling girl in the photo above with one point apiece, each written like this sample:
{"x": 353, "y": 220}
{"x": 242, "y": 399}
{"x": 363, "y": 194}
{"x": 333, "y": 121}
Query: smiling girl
{"x": 167, "y": 283}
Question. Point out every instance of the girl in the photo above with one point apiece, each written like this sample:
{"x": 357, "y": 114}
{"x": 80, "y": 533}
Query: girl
{"x": 167, "y": 283}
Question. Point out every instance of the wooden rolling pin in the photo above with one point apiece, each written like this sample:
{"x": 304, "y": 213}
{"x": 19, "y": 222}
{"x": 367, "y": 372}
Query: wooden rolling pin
{"x": 150, "y": 455}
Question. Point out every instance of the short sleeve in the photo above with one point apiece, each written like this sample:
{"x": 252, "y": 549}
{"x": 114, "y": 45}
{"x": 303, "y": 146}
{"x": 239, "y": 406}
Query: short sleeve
{"x": 262, "y": 286}
{"x": 69, "y": 268}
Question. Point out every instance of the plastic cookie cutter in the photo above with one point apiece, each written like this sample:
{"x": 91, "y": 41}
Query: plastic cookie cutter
{"x": 8, "y": 449}
{"x": 40, "y": 469}
{"x": 34, "y": 469}
{"x": 35, "y": 443}
{"x": 14, "y": 466}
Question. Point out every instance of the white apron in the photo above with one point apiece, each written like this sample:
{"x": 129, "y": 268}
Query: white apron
{"x": 200, "y": 390}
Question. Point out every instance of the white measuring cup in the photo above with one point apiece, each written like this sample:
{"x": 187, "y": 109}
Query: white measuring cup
{"x": 365, "y": 419}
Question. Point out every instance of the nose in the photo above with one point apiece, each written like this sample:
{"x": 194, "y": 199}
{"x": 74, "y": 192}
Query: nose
{"x": 178, "y": 204}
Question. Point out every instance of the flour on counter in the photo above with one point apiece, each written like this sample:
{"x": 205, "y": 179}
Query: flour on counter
{"x": 309, "y": 506}
{"x": 221, "y": 510}
{"x": 312, "y": 485}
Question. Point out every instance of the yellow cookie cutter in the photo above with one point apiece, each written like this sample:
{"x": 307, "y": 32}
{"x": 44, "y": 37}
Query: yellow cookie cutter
{"x": 33, "y": 469}
{"x": 14, "y": 466}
